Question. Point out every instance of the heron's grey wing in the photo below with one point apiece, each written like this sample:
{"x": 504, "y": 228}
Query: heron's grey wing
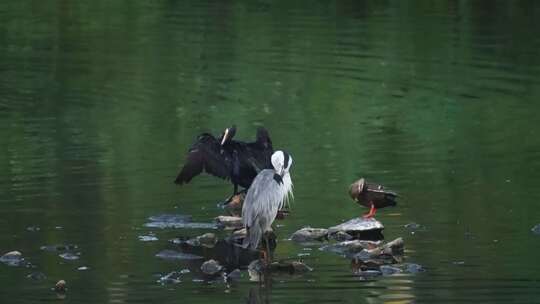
{"x": 263, "y": 199}
{"x": 205, "y": 154}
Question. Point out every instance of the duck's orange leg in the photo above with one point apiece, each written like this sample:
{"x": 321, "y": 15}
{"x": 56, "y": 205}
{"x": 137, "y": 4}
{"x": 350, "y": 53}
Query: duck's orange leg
{"x": 371, "y": 212}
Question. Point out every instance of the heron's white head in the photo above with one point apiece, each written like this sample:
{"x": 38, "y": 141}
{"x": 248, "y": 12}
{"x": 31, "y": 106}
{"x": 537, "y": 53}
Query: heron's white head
{"x": 282, "y": 162}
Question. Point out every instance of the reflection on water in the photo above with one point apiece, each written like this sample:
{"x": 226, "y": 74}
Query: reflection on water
{"x": 437, "y": 100}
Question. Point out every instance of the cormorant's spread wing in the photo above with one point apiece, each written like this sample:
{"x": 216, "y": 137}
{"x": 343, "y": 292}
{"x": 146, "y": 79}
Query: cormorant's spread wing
{"x": 205, "y": 154}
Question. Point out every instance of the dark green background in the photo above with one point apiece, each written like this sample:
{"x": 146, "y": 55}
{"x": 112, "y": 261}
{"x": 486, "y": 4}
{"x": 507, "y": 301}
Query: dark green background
{"x": 99, "y": 100}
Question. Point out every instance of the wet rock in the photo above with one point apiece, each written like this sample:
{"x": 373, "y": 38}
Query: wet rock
{"x": 36, "y": 276}
{"x": 340, "y": 236}
{"x": 349, "y": 248}
{"x": 60, "y": 286}
{"x": 211, "y": 267}
{"x": 207, "y": 240}
{"x": 229, "y": 222}
{"x": 148, "y": 238}
{"x": 308, "y": 234}
{"x": 169, "y": 254}
{"x": 12, "y": 258}
{"x": 70, "y": 256}
{"x": 360, "y": 228}
{"x": 176, "y": 221}
{"x": 389, "y": 270}
{"x": 83, "y": 268}
{"x": 173, "y": 277}
{"x": 59, "y": 247}
{"x": 536, "y": 229}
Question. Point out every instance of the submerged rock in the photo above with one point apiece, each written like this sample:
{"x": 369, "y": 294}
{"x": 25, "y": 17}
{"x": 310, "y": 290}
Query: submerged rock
{"x": 360, "y": 228}
{"x": 12, "y": 258}
{"x": 229, "y": 222}
{"x": 536, "y": 229}
{"x": 308, "y": 234}
{"x": 211, "y": 267}
{"x": 169, "y": 254}
{"x": 177, "y": 221}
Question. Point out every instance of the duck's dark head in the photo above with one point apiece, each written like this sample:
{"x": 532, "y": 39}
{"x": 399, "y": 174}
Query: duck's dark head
{"x": 228, "y": 135}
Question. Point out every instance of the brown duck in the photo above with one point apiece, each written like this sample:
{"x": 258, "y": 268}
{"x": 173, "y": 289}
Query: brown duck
{"x": 373, "y": 196}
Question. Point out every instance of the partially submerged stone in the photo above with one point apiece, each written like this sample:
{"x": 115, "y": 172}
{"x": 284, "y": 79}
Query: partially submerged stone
{"x": 229, "y": 222}
{"x": 148, "y": 238}
{"x": 211, "y": 267}
{"x": 360, "y": 228}
{"x": 169, "y": 254}
{"x": 308, "y": 234}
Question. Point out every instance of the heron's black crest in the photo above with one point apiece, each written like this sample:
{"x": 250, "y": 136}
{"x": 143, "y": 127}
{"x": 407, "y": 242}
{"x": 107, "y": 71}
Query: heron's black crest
{"x": 278, "y": 178}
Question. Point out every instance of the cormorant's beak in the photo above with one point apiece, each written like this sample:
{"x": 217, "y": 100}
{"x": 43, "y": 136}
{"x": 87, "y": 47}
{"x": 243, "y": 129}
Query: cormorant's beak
{"x": 225, "y": 136}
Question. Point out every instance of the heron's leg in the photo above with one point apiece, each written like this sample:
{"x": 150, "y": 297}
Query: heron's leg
{"x": 268, "y": 248}
{"x": 371, "y": 212}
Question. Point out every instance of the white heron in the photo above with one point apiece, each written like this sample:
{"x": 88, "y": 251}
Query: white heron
{"x": 270, "y": 190}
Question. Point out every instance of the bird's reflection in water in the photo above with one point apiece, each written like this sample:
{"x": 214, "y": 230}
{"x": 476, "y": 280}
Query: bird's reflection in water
{"x": 257, "y": 295}
{"x": 229, "y": 253}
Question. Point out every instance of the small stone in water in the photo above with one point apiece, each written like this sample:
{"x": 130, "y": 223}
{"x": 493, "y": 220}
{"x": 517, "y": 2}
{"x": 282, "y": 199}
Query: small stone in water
{"x": 83, "y": 268}
{"x": 536, "y": 229}
{"x": 211, "y": 267}
{"x": 69, "y": 256}
{"x": 33, "y": 228}
{"x": 413, "y": 226}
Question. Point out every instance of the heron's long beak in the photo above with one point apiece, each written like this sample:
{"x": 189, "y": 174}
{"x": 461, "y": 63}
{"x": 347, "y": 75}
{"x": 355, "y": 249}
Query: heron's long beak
{"x": 225, "y": 136}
